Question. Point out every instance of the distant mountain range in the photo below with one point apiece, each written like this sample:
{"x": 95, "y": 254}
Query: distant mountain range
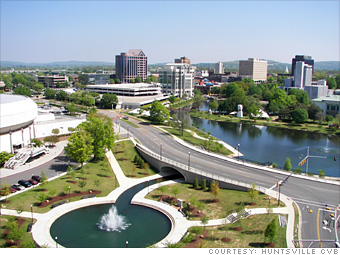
{"x": 230, "y": 65}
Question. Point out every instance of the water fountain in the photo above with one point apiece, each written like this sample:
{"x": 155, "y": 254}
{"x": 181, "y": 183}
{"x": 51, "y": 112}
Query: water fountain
{"x": 112, "y": 221}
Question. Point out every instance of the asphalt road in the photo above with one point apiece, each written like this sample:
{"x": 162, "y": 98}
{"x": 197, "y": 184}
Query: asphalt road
{"x": 309, "y": 195}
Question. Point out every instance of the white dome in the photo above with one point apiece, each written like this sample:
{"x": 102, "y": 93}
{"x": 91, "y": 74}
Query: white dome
{"x": 16, "y": 111}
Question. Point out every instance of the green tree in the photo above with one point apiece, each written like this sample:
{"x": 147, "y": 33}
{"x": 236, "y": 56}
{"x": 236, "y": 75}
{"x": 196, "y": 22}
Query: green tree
{"x": 253, "y": 193}
{"x": 138, "y": 79}
{"x": 158, "y": 112}
{"x": 213, "y": 105}
{"x": 22, "y": 91}
{"x": 288, "y": 165}
{"x": 79, "y": 146}
{"x": 38, "y": 87}
{"x": 50, "y": 93}
{"x": 82, "y": 184}
{"x": 72, "y": 108}
{"x": 204, "y": 221}
{"x": 195, "y": 184}
{"x": 300, "y": 115}
{"x": 101, "y": 130}
{"x": 4, "y": 156}
{"x": 62, "y": 96}
{"x": 215, "y": 188}
{"x": 108, "y": 100}
{"x": 203, "y": 184}
{"x": 271, "y": 230}
{"x": 314, "y": 111}
{"x": 331, "y": 82}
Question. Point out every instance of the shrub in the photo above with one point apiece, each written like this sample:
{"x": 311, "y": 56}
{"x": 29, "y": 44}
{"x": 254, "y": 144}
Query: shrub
{"x": 195, "y": 184}
{"x": 298, "y": 170}
{"x": 204, "y": 184}
{"x": 274, "y": 165}
{"x": 288, "y": 165}
{"x": 321, "y": 173}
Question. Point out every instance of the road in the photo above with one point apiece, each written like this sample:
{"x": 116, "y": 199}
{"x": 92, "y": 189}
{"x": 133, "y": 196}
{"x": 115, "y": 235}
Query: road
{"x": 308, "y": 194}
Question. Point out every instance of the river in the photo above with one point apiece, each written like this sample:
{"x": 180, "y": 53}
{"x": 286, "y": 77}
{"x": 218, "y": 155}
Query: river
{"x": 270, "y": 144}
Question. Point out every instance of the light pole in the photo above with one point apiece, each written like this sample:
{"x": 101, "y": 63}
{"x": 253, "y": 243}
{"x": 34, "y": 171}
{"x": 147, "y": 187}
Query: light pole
{"x": 56, "y": 244}
{"x": 160, "y": 153}
{"x": 127, "y": 244}
{"x": 69, "y": 193}
{"x": 32, "y": 212}
{"x": 238, "y": 149}
{"x": 189, "y": 162}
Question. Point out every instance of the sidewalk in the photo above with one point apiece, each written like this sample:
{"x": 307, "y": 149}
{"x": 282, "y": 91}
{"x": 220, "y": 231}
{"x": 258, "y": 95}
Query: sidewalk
{"x": 54, "y": 152}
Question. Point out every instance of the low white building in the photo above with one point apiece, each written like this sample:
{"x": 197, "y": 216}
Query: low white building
{"x": 330, "y": 105}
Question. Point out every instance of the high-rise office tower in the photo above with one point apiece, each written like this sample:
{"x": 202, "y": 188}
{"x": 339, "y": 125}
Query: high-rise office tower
{"x": 219, "y": 68}
{"x": 131, "y": 64}
{"x": 254, "y": 69}
{"x": 306, "y": 59}
{"x": 303, "y": 74}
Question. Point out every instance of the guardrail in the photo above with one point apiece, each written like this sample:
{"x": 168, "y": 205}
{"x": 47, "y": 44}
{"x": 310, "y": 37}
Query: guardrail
{"x": 197, "y": 171}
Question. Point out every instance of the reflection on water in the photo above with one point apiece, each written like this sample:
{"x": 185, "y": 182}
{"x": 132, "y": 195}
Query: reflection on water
{"x": 271, "y": 144}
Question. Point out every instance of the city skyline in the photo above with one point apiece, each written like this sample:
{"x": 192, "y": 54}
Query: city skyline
{"x": 202, "y": 31}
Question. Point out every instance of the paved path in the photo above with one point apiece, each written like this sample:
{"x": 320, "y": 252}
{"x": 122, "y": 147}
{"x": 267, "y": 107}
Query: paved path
{"x": 41, "y": 234}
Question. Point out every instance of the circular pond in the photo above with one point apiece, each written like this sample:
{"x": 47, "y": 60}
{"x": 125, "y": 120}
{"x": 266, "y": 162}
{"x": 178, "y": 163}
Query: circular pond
{"x": 81, "y": 228}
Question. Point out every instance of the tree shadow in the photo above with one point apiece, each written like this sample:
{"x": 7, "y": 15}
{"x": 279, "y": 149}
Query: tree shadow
{"x": 258, "y": 245}
{"x": 252, "y": 232}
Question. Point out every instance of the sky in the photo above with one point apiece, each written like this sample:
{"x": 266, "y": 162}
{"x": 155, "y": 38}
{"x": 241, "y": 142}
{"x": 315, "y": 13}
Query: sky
{"x": 203, "y": 31}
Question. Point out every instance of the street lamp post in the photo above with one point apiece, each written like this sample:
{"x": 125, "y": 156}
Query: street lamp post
{"x": 127, "y": 244}
{"x": 238, "y": 149}
{"x": 160, "y": 153}
{"x": 189, "y": 162}
{"x": 32, "y": 212}
{"x": 69, "y": 193}
{"x": 56, "y": 244}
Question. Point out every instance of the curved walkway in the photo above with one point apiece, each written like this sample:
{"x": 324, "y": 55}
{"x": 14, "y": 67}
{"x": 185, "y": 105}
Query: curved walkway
{"x": 41, "y": 229}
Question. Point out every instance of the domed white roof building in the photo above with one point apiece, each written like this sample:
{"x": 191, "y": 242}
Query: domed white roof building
{"x": 21, "y": 120}
{"x": 17, "y": 115}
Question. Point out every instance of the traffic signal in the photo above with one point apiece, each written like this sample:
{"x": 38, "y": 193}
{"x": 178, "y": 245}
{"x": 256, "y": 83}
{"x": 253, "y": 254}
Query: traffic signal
{"x": 303, "y": 162}
{"x": 334, "y": 158}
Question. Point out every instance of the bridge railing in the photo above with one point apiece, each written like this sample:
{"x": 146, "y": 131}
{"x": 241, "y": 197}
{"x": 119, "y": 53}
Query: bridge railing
{"x": 196, "y": 171}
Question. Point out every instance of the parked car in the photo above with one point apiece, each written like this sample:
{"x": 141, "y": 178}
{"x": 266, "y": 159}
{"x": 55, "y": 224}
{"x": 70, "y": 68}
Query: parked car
{"x": 24, "y": 183}
{"x": 36, "y": 177}
{"x": 17, "y": 187}
{"x": 12, "y": 190}
{"x": 34, "y": 182}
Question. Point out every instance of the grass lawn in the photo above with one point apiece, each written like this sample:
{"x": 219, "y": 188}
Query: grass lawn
{"x": 252, "y": 235}
{"x": 125, "y": 153}
{"x": 26, "y": 241}
{"x": 229, "y": 200}
{"x": 130, "y": 123}
{"x": 213, "y": 146}
{"x": 99, "y": 172}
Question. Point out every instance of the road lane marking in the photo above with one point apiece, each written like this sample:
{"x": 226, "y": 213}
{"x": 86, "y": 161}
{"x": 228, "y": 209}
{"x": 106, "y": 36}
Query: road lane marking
{"x": 318, "y": 227}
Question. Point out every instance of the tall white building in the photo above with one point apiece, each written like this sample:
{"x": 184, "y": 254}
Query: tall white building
{"x": 254, "y": 69}
{"x": 177, "y": 79}
{"x": 302, "y": 75}
{"x": 219, "y": 68}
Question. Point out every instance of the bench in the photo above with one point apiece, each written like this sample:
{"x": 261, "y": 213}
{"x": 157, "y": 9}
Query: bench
{"x": 88, "y": 196}
{"x": 57, "y": 204}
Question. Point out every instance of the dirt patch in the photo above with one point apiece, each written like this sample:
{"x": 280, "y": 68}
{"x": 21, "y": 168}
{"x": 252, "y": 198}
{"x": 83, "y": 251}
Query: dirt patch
{"x": 225, "y": 240}
{"x": 270, "y": 245}
{"x": 195, "y": 243}
{"x": 67, "y": 196}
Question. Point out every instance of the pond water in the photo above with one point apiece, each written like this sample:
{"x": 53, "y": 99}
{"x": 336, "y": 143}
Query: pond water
{"x": 79, "y": 228}
{"x": 270, "y": 144}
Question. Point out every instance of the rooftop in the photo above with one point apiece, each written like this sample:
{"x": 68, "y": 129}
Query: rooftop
{"x": 334, "y": 98}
